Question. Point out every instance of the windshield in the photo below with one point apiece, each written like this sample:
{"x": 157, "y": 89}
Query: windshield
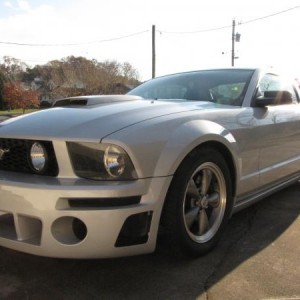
{"x": 220, "y": 86}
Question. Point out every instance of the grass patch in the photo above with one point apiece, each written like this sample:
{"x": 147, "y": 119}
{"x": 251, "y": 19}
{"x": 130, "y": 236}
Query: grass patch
{"x": 16, "y": 111}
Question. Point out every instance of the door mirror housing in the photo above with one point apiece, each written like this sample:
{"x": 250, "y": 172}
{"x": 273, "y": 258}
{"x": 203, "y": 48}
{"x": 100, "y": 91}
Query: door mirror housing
{"x": 273, "y": 98}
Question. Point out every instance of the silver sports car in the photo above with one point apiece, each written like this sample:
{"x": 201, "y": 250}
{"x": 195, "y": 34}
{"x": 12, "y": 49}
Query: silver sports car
{"x": 101, "y": 176}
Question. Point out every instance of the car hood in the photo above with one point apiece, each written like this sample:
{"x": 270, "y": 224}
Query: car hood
{"x": 92, "y": 122}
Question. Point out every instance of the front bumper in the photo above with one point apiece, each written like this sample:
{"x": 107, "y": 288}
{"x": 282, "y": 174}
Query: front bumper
{"x": 36, "y": 215}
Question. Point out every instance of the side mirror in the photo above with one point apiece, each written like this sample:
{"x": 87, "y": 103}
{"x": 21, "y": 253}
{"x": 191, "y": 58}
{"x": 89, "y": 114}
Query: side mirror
{"x": 273, "y": 98}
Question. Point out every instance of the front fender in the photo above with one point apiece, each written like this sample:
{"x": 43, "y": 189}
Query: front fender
{"x": 187, "y": 137}
{"x": 157, "y": 148}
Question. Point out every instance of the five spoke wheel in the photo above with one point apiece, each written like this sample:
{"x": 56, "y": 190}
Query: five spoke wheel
{"x": 199, "y": 202}
{"x": 204, "y": 202}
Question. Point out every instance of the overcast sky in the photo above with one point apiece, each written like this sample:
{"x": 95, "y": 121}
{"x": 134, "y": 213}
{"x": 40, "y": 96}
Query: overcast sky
{"x": 121, "y": 30}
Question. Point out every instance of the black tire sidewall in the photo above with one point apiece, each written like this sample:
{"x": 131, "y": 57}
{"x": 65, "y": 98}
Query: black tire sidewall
{"x": 175, "y": 198}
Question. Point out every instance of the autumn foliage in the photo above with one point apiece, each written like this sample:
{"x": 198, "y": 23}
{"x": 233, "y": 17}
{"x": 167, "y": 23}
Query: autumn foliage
{"x": 25, "y": 87}
{"x": 17, "y": 97}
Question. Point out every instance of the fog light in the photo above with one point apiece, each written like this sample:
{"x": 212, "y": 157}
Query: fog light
{"x": 38, "y": 157}
{"x": 69, "y": 230}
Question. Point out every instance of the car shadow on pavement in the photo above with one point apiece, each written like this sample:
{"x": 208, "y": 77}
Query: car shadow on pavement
{"x": 154, "y": 276}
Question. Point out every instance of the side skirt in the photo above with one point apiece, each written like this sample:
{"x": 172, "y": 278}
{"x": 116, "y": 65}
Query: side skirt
{"x": 249, "y": 199}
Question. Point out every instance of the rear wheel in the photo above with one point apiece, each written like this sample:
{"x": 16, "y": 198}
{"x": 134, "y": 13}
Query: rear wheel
{"x": 198, "y": 203}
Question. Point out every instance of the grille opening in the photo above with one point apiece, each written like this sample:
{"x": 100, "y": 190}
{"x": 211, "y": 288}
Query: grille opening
{"x": 135, "y": 230}
{"x": 7, "y": 226}
{"x": 29, "y": 228}
{"x": 96, "y": 203}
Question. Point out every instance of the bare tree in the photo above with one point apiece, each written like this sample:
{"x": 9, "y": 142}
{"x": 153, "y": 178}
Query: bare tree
{"x": 72, "y": 76}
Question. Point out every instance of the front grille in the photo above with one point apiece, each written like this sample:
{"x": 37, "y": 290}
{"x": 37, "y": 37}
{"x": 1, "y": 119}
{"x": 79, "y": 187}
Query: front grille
{"x": 14, "y": 156}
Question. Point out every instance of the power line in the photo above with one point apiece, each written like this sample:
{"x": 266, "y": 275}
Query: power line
{"x": 271, "y": 15}
{"x": 196, "y": 31}
{"x": 76, "y": 44}
{"x": 229, "y": 26}
{"x": 145, "y": 31}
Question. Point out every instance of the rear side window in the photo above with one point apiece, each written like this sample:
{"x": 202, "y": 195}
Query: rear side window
{"x": 272, "y": 82}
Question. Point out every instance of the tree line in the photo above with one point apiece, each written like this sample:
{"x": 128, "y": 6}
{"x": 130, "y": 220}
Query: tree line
{"x": 24, "y": 87}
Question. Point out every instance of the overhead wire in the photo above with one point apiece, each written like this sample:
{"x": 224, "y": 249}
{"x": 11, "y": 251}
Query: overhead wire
{"x": 145, "y": 31}
{"x": 271, "y": 15}
{"x": 230, "y": 26}
{"x": 75, "y": 44}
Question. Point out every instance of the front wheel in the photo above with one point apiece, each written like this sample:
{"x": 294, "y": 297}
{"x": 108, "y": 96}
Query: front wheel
{"x": 198, "y": 203}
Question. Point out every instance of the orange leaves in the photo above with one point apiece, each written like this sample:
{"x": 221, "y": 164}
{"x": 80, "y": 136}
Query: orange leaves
{"x": 15, "y": 96}
{"x": 12, "y": 93}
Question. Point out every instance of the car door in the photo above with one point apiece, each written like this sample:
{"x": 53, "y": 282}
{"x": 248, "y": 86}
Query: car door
{"x": 278, "y": 133}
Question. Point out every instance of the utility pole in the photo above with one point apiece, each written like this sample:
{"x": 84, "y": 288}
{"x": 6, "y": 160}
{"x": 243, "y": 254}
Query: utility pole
{"x": 233, "y": 40}
{"x": 236, "y": 37}
{"x": 153, "y": 51}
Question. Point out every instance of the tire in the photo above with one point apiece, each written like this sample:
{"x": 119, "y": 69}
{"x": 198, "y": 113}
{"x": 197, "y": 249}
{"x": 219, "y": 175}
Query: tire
{"x": 198, "y": 203}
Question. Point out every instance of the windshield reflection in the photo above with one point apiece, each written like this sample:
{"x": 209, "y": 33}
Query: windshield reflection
{"x": 219, "y": 86}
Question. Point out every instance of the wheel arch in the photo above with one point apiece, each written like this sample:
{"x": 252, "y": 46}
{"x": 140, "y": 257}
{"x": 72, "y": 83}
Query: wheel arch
{"x": 195, "y": 135}
{"x": 227, "y": 155}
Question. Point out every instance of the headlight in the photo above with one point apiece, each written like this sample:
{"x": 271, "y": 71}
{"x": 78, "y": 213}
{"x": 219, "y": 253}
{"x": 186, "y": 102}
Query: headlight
{"x": 101, "y": 161}
{"x": 38, "y": 157}
{"x": 114, "y": 161}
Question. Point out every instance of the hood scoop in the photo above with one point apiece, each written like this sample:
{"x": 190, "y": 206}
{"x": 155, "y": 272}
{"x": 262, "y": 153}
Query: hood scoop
{"x": 93, "y": 100}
